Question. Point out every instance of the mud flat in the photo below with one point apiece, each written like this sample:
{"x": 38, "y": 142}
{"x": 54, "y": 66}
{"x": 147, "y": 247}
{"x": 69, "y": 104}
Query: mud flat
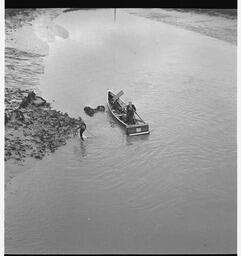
{"x": 216, "y": 23}
{"x": 35, "y": 130}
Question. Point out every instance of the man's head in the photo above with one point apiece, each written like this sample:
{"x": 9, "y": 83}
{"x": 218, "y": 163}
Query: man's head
{"x": 80, "y": 119}
{"x": 130, "y": 103}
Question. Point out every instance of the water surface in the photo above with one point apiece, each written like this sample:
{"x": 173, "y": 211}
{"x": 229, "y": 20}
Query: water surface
{"x": 173, "y": 191}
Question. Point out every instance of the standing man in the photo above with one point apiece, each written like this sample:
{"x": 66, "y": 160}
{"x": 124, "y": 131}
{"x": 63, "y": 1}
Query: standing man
{"x": 82, "y": 127}
{"x": 130, "y": 109}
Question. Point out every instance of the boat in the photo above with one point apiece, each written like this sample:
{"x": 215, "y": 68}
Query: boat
{"x": 117, "y": 108}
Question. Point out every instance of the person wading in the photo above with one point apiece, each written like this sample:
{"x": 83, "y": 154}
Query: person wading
{"x": 82, "y": 127}
{"x": 130, "y": 109}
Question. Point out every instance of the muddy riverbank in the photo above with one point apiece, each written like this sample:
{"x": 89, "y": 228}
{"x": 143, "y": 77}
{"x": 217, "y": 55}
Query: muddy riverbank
{"x": 217, "y": 23}
{"x": 34, "y": 130}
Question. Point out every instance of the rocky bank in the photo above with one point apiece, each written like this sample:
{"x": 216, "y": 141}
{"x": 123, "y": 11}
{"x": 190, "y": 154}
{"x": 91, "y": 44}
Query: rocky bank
{"x": 34, "y": 130}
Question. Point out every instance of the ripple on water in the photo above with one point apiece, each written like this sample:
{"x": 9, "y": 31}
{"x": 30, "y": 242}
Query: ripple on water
{"x": 181, "y": 177}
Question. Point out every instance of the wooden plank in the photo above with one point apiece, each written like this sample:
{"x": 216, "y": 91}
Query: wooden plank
{"x": 118, "y": 95}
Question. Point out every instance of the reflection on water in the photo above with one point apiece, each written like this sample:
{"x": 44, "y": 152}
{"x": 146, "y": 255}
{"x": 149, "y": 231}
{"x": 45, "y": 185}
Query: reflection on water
{"x": 173, "y": 191}
{"x": 80, "y": 149}
{"x": 130, "y": 140}
{"x": 83, "y": 149}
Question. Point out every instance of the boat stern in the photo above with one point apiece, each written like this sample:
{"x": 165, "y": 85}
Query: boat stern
{"x": 133, "y": 130}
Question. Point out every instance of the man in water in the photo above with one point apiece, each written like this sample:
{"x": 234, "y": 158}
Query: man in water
{"x": 130, "y": 109}
{"x": 82, "y": 127}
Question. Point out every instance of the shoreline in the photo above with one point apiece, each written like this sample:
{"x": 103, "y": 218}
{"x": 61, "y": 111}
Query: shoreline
{"x": 31, "y": 132}
{"x": 216, "y": 23}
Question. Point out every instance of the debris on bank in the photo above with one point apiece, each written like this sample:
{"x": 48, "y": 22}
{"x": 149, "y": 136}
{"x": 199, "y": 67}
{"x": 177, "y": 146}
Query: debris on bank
{"x": 32, "y": 128}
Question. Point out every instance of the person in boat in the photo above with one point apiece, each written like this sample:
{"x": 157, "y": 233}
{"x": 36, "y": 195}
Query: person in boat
{"x": 130, "y": 110}
{"x": 82, "y": 127}
{"x": 116, "y": 105}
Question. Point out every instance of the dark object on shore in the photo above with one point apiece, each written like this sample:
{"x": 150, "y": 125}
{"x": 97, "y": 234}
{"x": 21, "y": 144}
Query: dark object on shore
{"x": 39, "y": 101}
{"x": 91, "y": 111}
{"x": 118, "y": 110}
{"x": 27, "y": 100}
{"x": 32, "y": 99}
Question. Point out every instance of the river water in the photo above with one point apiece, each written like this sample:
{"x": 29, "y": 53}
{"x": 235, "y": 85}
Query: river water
{"x": 173, "y": 191}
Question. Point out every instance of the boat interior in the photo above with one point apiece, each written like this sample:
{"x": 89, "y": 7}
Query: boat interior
{"x": 118, "y": 107}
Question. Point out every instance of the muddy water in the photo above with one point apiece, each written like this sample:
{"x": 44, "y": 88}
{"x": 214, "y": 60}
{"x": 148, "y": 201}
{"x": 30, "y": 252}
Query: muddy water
{"x": 173, "y": 191}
